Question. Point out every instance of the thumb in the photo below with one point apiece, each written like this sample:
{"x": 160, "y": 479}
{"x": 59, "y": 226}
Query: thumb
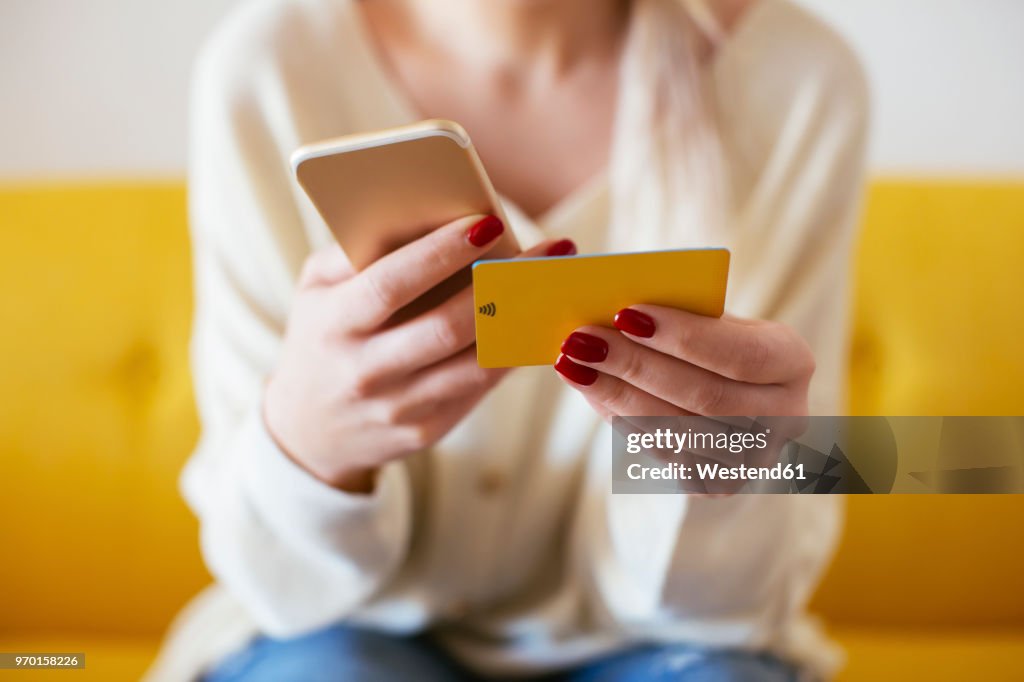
{"x": 325, "y": 267}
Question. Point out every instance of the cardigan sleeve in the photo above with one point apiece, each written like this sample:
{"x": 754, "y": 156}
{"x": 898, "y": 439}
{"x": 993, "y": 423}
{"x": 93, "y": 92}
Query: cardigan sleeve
{"x": 295, "y": 552}
{"x": 659, "y": 565}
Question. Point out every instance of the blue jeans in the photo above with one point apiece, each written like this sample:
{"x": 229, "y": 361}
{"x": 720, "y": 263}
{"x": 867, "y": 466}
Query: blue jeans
{"x": 342, "y": 653}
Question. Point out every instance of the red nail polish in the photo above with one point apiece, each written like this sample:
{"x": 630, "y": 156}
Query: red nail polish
{"x": 579, "y": 374}
{"x": 485, "y": 231}
{"x": 563, "y": 247}
{"x": 635, "y": 322}
{"x": 585, "y": 347}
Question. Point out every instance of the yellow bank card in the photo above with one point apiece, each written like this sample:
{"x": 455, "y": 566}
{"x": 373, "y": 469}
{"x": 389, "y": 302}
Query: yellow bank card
{"x": 526, "y": 307}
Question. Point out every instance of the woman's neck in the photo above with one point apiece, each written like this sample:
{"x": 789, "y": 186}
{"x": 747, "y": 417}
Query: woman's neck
{"x": 513, "y": 36}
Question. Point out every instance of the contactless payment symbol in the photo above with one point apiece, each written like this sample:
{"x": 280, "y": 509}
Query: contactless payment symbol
{"x": 488, "y": 309}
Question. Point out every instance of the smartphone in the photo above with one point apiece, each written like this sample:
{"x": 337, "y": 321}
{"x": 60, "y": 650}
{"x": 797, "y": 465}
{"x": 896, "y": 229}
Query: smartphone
{"x": 381, "y": 190}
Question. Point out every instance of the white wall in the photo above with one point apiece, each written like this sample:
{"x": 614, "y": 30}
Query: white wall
{"x": 948, "y": 79}
{"x": 98, "y": 87}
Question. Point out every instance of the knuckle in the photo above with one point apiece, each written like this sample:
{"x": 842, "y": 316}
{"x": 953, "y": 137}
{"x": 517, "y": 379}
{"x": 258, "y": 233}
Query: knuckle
{"x": 812, "y": 365}
{"x": 808, "y": 363}
{"x": 616, "y": 397}
{"x": 446, "y": 332}
{"x": 391, "y": 413}
{"x": 439, "y": 252}
{"x": 682, "y": 341}
{"x": 485, "y": 378}
{"x": 420, "y": 436}
{"x": 327, "y": 333}
{"x": 361, "y": 385}
{"x": 476, "y": 379}
{"x": 805, "y": 364}
{"x": 634, "y": 369}
{"x": 464, "y": 382}
{"x": 708, "y": 397}
{"x": 380, "y": 290}
{"x": 754, "y": 361}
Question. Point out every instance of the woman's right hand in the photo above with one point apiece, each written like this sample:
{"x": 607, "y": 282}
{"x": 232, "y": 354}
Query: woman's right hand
{"x": 349, "y": 395}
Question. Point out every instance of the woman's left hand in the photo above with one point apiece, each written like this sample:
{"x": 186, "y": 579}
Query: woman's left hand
{"x": 668, "y": 362}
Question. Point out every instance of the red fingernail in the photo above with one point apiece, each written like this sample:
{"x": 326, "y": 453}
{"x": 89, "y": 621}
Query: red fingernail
{"x": 485, "y": 231}
{"x": 563, "y": 247}
{"x": 635, "y": 322}
{"x": 579, "y": 374}
{"x": 585, "y": 347}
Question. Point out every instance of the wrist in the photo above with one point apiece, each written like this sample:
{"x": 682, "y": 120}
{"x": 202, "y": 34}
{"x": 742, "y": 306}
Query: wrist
{"x": 356, "y": 480}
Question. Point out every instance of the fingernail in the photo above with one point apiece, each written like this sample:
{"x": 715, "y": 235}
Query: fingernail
{"x": 485, "y": 231}
{"x": 585, "y": 347}
{"x": 563, "y": 247}
{"x": 584, "y": 376}
{"x": 635, "y": 322}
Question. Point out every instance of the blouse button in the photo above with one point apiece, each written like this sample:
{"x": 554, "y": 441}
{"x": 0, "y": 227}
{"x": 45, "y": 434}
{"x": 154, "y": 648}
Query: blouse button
{"x": 457, "y": 609}
{"x": 490, "y": 482}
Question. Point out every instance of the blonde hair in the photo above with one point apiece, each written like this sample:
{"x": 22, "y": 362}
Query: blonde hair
{"x": 668, "y": 174}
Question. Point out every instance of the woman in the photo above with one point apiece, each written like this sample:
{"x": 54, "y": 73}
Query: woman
{"x": 376, "y": 506}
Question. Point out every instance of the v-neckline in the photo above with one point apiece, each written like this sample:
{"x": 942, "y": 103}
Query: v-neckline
{"x": 556, "y": 216}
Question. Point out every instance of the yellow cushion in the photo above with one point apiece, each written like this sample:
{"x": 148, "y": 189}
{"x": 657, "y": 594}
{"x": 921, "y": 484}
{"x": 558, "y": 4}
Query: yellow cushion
{"x": 96, "y": 419}
{"x": 928, "y": 561}
{"x": 110, "y": 658}
{"x": 937, "y": 656}
{"x": 939, "y": 314}
{"x": 938, "y": 329}
{"x": 96, "y": 413}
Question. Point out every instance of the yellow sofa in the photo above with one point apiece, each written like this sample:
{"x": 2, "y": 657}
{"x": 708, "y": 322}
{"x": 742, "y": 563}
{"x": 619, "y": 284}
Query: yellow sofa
{"x": 96, "y": 418}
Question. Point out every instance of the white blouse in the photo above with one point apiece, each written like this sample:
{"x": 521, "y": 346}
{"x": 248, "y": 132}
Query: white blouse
{"x": 504, "y": 539}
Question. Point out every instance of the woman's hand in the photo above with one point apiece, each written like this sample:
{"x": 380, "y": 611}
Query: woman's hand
{"x": 668, "y": 362}
{"x": 349, "y": 394}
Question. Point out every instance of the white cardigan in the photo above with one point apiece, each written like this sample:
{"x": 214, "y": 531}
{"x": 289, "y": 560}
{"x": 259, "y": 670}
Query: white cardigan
{"x": 504, "y": 539}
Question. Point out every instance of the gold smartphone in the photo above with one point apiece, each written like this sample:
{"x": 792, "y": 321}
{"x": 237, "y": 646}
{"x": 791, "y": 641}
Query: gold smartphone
{"x": 379, "y": 191}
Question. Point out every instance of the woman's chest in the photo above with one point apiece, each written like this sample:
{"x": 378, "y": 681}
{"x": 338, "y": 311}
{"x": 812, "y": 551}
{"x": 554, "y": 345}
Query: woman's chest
{"x": 538, "y": 147}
